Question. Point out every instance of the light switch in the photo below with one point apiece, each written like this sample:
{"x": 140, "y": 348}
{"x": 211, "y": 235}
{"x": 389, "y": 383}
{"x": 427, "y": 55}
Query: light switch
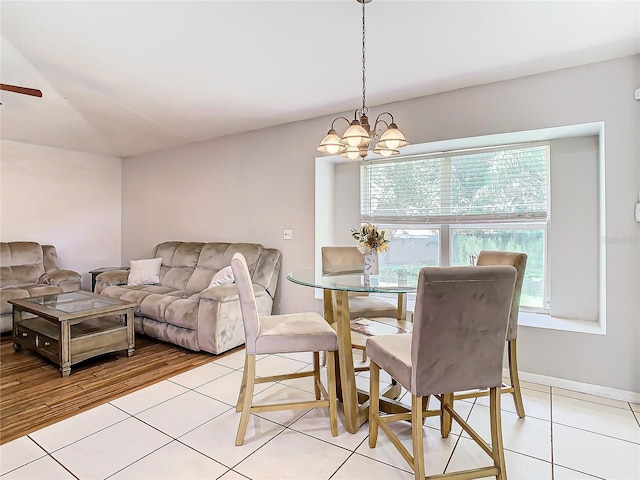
{"x": 288, "y": 234}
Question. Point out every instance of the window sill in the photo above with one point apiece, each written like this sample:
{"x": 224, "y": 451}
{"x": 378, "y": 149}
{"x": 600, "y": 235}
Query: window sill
{"x": 542, "y": 320}
{"x": 533, "y": 320}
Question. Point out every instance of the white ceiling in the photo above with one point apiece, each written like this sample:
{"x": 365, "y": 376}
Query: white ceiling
{"x": 123, "y": 78}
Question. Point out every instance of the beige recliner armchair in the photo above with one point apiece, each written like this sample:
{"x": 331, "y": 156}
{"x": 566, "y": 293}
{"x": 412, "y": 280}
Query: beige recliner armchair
{"x": 28, "y": 269}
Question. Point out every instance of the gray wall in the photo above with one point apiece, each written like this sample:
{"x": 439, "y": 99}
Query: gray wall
{"x": 250, "y": 187}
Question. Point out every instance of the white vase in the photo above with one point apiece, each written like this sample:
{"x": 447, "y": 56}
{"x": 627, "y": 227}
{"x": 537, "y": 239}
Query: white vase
{"x": 371, "y": 263}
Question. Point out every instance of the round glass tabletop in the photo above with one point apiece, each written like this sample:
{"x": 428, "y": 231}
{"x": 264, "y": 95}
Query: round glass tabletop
{"x": 353, "y": 280}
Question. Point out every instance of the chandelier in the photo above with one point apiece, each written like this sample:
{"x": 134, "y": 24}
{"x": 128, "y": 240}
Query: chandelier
{"x": 360, "y": 137}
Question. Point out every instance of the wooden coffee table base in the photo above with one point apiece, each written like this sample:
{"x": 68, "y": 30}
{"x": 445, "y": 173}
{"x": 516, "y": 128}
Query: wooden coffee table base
{"x": 67, "y": 339}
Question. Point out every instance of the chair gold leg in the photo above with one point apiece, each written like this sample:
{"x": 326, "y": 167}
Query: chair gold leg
{"x": 243, "y": 386}
{"x": 250, "y": 374}
{"x": 445, "y": 416}
{"x": 425, "y": 407}
{"x": 497, "y": 448}
{"x": 416, "y": 434}
{"x": 515, "y": 380}
{"x": 316, "y": 374}
{"x": 331, "y": 385}
{"x": 374, "y": 403}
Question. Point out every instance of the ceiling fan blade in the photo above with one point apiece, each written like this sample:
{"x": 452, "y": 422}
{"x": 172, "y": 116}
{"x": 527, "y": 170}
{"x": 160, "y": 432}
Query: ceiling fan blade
{"x": 24, "y": 90}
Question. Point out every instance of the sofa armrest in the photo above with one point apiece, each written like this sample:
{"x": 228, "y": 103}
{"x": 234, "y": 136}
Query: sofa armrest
{"x": 220, "y": 323}
{"x": 58, "y": 276}
{"x": 225, "y": 293}
{"x": 112, "y": 277}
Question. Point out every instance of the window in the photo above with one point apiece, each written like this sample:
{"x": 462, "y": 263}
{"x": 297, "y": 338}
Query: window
{"x": 442, "y": 209}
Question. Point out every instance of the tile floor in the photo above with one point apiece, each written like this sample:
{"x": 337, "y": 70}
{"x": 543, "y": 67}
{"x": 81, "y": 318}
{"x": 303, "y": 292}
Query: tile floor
{"x": 185, "y": 427}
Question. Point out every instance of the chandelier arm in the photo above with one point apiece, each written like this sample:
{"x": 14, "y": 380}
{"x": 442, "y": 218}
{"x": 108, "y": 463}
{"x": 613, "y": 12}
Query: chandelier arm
{"x": 339, "y": 118}
{"x": 384, "y": 113}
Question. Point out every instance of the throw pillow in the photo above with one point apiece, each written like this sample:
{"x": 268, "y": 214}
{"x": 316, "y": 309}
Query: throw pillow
{"x": 223, "y": 277}
{"x": 144, "y": 272}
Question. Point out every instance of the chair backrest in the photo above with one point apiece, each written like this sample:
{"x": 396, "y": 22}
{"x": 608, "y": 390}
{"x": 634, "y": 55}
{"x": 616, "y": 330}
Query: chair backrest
{"x": 343, "y": 259}
{"x": 340, "y": 259}
{"x": 517, "y": 260}
{"x": 459, "y": 329}
{"x": 250, "y": 317}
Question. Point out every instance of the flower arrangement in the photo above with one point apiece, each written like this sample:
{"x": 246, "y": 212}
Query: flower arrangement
{"x": 370, "y": 239}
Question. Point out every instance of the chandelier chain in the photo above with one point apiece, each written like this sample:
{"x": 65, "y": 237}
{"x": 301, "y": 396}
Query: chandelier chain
{"x": 364, "y": 49}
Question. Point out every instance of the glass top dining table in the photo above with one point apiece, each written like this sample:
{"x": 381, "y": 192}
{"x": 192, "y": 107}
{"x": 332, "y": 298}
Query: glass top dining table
{"x": 351, "y": 279}
{"x": 336, "y": 286}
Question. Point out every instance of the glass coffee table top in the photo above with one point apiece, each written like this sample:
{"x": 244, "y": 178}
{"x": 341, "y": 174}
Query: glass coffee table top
{"x": 72, "y": 302}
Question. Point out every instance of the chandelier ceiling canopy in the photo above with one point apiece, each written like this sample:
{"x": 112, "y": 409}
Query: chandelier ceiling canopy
{"x": 360, "y": 137}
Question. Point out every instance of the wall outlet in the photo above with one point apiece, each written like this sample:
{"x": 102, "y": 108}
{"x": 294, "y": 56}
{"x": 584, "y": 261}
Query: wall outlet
{"x": 288, "y": 234}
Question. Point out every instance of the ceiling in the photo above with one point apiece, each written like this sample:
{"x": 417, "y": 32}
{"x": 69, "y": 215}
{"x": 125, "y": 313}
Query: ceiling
{"x": 124, "y": 78}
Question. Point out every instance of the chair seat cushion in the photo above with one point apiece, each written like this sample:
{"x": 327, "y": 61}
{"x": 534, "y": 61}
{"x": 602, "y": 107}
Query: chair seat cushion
{"x": 295, "y": 332}
{"x": 368, "y": 305}
{"x": 392, "y": 353}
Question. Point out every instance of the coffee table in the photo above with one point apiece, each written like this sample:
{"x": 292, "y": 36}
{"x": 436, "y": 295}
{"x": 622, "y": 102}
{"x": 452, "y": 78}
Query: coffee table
{"x": 68, "y": 328}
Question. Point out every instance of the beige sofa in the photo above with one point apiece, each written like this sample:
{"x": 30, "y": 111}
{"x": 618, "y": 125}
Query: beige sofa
{"x": 28, "y": 269}
{"x": 181, "y": 308}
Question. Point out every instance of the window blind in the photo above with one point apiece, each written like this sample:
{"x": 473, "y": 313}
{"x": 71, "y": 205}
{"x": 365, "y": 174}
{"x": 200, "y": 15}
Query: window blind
{"x": 508, "y": 184}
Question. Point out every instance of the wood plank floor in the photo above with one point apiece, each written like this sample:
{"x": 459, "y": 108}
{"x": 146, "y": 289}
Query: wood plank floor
{"x": 34, "y": 395}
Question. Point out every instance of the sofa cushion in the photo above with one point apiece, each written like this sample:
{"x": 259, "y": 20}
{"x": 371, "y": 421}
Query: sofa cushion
{"x": 144, "y": 272}
{"x": 22, "y": 262}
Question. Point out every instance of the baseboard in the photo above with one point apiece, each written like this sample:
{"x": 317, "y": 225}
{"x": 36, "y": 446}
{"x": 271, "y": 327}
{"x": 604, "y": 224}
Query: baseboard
{"x": 607, "y": 392}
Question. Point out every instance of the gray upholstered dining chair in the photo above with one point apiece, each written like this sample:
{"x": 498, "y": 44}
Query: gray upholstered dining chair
{"x": 361, "y": 304}
{"x": 457, "y": 343}
{"x": 285, "y": 333}
{"x": 519, "y": 261}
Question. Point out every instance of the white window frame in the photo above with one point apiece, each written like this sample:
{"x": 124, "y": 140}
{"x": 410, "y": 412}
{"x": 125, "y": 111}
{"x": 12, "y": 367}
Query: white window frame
{"x": 444, "y": 229}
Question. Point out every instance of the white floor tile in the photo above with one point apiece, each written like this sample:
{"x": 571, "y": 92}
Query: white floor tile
{"x": 359, "y": 467}
{"x": 536, "y": 404}
{"x": 469, "y": 455}
{"x": 528, "y": 436}
{"x": 177, "y": 416}
{"x": 148, "y": 397}
{"x": 306, "y": 458}
{"x": 590, "y": 398}
{"x": 200, "y": 375}
{"x": 275, "y": 365}
{"x": 231, "y": 475}
{"x": 74, "y": 428}
{"x": 437, "y": 450}
{"x": 19, "y": 452}
{"x": 461, "y": 407}
{"x": 595, "y": 454}
{"x": 533, "y": 386}
{"x": 226, "y": 389}
{"x": 173, "y": 461}
{"x": 216, "y": 438}
{"x": 234, "y": 360}
{"x": 561, "y": 473}
{"x": 595, "y": 417}
{"x": 109, "y": 450}
{"x": 592, "y": 437}
{"x": 279, "y": 393}
{"x": 45, "y": 468}
{"x": 316, "y": 424}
